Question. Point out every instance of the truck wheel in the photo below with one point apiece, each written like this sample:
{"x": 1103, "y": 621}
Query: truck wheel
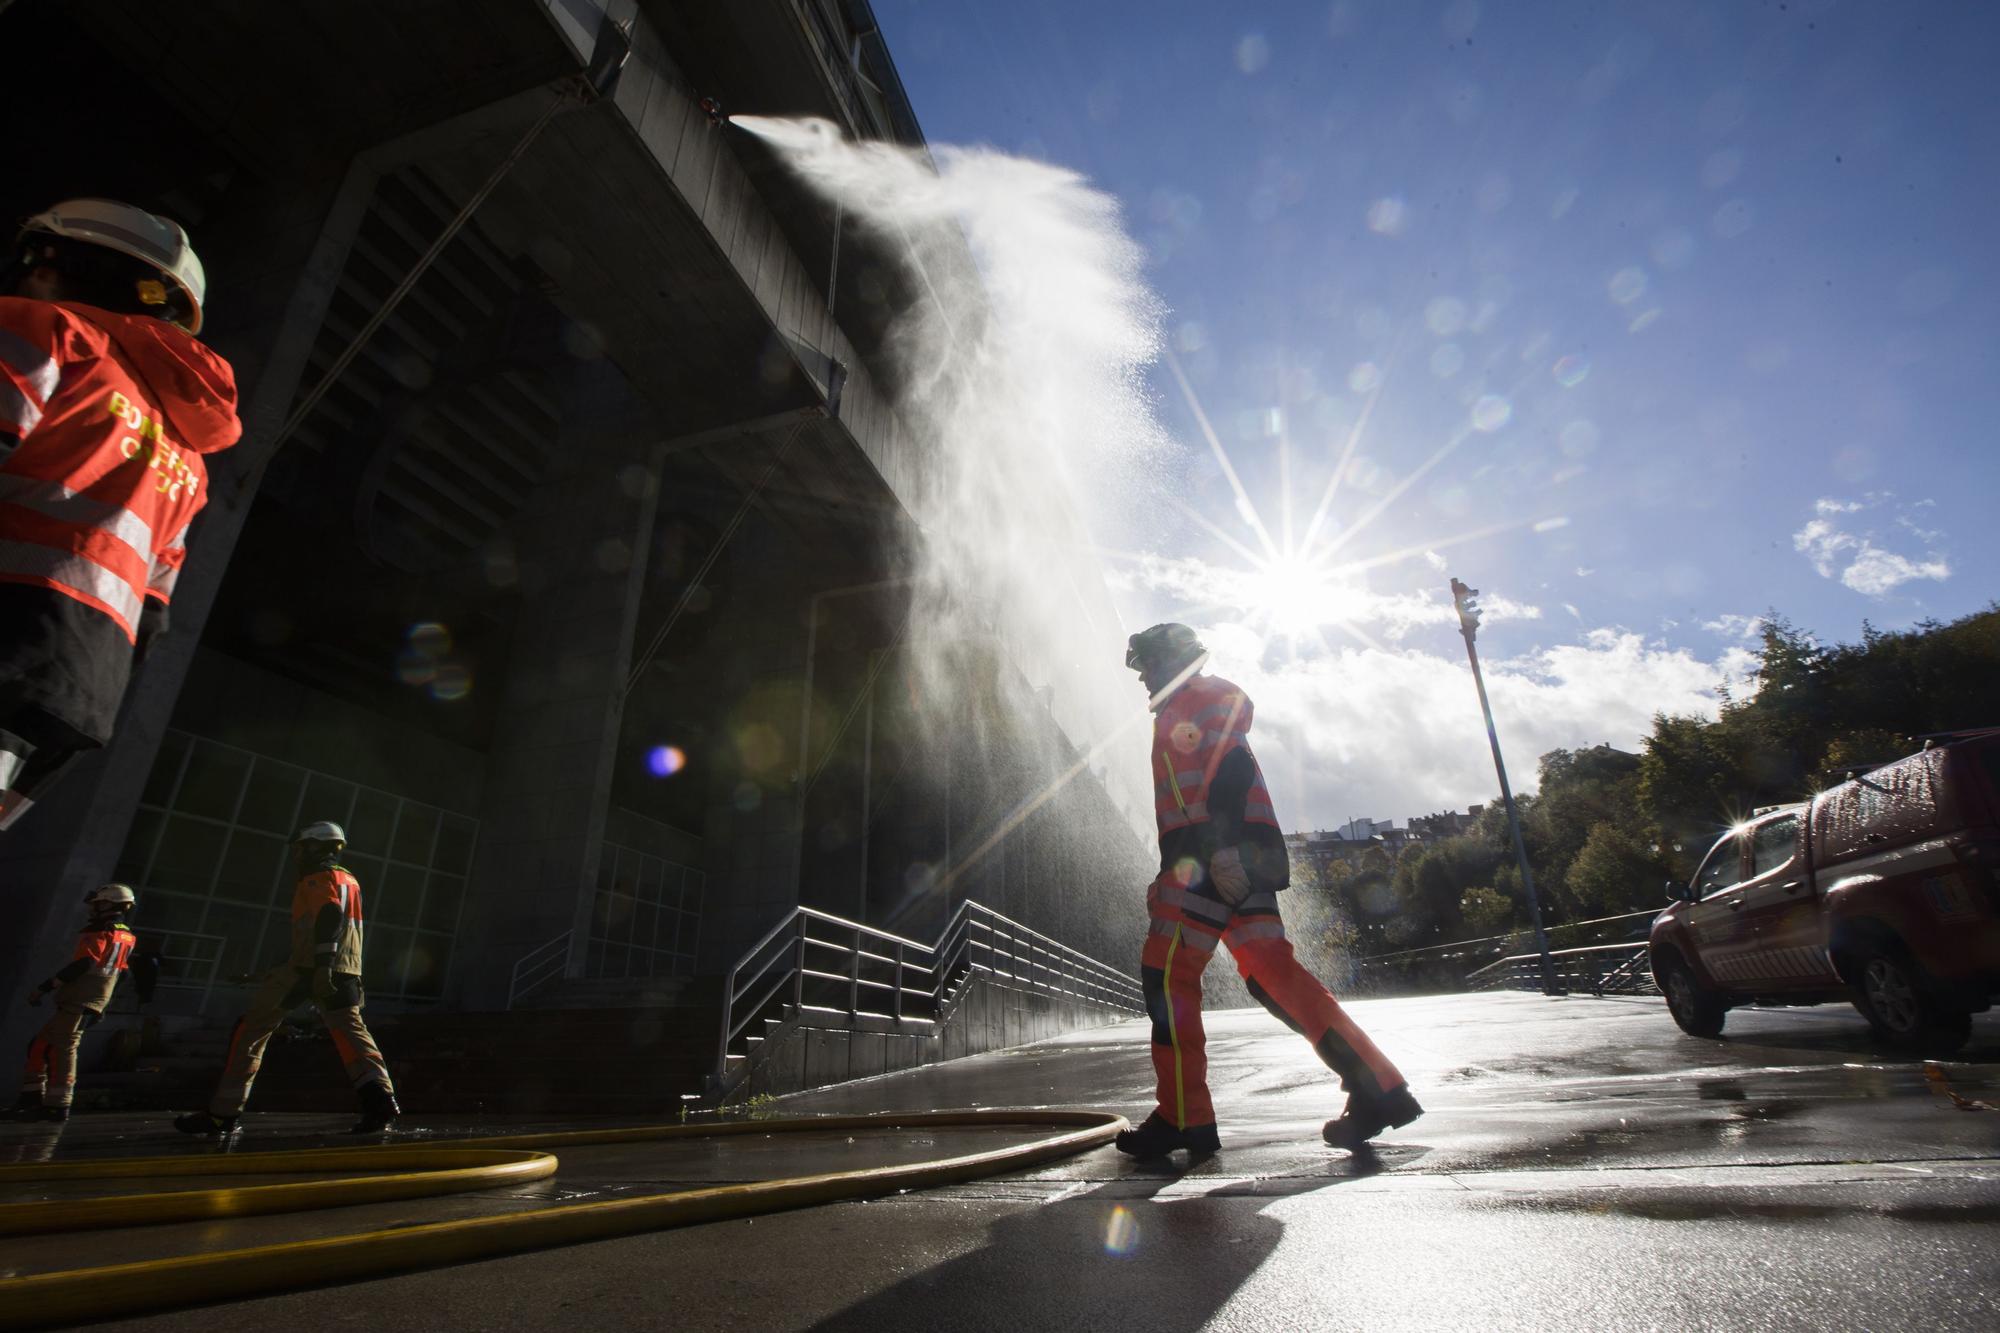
{"x": 1896, "y": 1000}
{"x": 1698, "y": 1010}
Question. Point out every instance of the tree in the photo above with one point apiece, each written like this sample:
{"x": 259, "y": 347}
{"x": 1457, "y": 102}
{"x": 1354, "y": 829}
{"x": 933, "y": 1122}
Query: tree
{"x": 1617, "y": 872}
{"x": 1486, "y": 911}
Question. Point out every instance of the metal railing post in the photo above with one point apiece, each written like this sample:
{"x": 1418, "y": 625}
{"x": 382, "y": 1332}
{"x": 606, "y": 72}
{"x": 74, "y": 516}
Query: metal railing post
{"x": 896, "y": 996}
{"x": 728, "y": 1012}
{"x": 854, "y": 979}
{"x": 799, "y": 972}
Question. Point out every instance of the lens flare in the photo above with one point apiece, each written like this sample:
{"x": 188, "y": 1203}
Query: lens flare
{"x": 430, "y": 638}
{"x": 1491, "y": 412}
{"x": 451, "y": 682}
{"x": 1121, "y": 1232}
{"x": 1571, "y": 370}
{"x": 663, "y": 761}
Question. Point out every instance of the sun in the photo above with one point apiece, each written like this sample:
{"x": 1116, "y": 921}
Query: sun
{"x": 1294, "y": 596}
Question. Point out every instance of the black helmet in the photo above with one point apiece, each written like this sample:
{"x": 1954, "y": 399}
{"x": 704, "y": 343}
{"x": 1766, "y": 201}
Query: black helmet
{"x": 1170, "y": 645}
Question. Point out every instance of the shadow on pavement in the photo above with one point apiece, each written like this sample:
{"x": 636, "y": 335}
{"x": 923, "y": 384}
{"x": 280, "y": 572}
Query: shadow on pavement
{"x": 1111, "y": 1258}
{"x": 1791, "y": 1031}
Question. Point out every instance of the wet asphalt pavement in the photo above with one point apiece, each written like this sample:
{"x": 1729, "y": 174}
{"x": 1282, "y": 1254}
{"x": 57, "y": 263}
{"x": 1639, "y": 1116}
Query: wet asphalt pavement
{"x": 1581, "y": 1165}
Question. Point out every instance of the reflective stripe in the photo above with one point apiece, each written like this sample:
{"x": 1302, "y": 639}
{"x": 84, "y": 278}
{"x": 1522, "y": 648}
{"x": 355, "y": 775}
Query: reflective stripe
{"x": 74, "y": 572}
{"x": 33, "y": 367}
{"x": 1258, "y": 930}
{"x": 1258, "y": 810}
{"x": 164, "y": 577}
{"x": 1183, "y": 781}
{"x": 1178, "y": 899}
{"x": 55, "y": 500}
{"x": 1195, "y": 812}
{"x": 18, "y": 416}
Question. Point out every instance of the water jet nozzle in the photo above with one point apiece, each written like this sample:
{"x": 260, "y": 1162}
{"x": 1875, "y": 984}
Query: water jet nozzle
{"x": 713, "y": 110}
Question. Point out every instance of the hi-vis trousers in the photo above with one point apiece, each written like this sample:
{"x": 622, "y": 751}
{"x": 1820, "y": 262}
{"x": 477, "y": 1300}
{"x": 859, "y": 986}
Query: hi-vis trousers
{"x": 282, "y": 990}
{"x": 51, "y": 1071}
{"x": 1183, "y": 927}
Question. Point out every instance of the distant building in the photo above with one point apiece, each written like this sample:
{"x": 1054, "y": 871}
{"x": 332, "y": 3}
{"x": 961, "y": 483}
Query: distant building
{"x": 1445, "y": 824}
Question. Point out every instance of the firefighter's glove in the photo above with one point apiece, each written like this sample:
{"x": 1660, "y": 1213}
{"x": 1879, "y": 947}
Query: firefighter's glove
{"x": 322, "y": 986}
{"x": 1226, "y": 873}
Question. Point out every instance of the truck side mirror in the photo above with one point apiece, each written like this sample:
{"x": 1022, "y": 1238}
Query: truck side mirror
{"x": 1678, "y": 892}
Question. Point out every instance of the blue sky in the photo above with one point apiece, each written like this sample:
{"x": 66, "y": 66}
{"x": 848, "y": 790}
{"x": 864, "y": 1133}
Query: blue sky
{"x": 1690, "y": 301}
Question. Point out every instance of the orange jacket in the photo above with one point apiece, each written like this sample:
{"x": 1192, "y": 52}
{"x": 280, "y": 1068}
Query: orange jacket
{"x": 326, "y": 921}
{"x": 1208, "y": 791}
{"x": 104, "y": 420}
{"x": 86, "y": 983}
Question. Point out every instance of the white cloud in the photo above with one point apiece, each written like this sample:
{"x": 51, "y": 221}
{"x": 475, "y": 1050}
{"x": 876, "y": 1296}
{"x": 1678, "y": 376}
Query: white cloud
{"x": 1732, "y": 626}
{"x": 1876, "y": 572}
{"x": 1855, "y": 554}
{"x": 1435, "y": 561}
{"x": 1392, "y": 732}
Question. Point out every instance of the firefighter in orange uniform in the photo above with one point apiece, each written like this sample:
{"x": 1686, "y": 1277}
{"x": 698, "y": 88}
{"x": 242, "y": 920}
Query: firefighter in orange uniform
{"x": 108, "y": 407}
{"x": 82, "y": 988}
{"x": 324, "y": 967}
{"x": 1222, "y": 864}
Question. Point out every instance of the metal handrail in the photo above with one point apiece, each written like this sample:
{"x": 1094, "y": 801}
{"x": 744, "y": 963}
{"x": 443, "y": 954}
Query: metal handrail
{"x": 923, "y": 978}
{"x": 1500, "y": 940}
{"x": 1583, "y": 966}
{"x": 538, "y": 967}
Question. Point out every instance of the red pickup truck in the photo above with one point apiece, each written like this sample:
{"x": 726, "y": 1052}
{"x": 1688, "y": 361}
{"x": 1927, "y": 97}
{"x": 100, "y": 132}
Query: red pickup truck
{"x": 1884, "y": 890}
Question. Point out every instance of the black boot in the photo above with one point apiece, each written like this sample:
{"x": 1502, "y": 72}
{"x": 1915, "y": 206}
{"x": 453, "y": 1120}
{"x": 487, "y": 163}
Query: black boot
{"x": 378, "y": 1109}
{"x": 1158, "y": 1136}
{"x": 28, "y": 1106}
{"x": 57, "y": 1114}
{"x": 206, "y": 1122}
{"x": 1365, "y": 1117}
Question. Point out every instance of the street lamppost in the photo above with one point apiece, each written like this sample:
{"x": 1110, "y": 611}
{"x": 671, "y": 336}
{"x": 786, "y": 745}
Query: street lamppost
{"x": 1468, "y": 625}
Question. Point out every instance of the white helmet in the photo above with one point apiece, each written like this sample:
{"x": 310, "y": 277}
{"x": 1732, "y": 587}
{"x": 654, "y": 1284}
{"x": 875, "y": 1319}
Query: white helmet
{"x": 324, "y": 831}
{"x": 144, "y": 236}
{"x": 111, "y": 897}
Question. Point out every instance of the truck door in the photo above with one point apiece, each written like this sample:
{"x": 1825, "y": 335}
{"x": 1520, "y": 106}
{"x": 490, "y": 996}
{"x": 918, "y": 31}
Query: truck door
{"x": 1781, "y": 909}
{"x": 1724, "y": 939}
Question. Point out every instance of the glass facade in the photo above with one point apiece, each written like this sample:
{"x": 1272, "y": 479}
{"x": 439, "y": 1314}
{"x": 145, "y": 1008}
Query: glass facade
{"x": 208, "y": 855}
{"x": 647, "y": 916}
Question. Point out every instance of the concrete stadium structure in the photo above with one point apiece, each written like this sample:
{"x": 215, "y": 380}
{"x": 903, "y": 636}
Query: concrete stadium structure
{"x": 460, "y": 607}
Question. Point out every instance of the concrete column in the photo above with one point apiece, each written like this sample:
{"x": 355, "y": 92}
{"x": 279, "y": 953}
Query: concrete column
{"x": 274, "y": 257}
{"x": 581, "y": 549}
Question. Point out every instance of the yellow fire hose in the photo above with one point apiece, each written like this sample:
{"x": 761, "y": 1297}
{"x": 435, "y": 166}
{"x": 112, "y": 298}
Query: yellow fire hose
{"x": 419, "y": 1169}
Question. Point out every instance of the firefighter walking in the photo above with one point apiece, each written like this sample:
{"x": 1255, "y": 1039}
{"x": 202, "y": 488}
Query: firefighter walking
{"x": 82, "y": 987}
{"x": 324, "y": 967}
{"x": 1222, "y": 865}
{"x": 108, "y": 408}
